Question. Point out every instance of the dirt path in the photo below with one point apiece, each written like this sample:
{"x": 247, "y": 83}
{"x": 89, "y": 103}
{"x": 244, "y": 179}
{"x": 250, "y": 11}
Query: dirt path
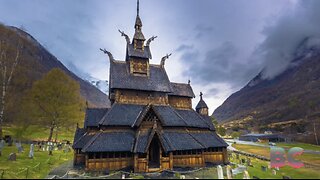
{"x": 61, "y": 170}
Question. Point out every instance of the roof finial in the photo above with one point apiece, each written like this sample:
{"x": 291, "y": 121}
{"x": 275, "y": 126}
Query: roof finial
{"x": 137, "y": 7}
{"x": 189, "y": 81}
{"x": 201, "y": 95}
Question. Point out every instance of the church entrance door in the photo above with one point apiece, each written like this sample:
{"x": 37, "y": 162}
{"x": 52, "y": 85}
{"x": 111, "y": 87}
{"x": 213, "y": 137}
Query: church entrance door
{"x": 154, "y": 153}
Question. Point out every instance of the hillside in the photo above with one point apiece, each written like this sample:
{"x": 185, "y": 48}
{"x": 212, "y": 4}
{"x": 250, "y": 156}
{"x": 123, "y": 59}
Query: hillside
{"x": 34, "y": 63}
{"x": 291, "y": 99}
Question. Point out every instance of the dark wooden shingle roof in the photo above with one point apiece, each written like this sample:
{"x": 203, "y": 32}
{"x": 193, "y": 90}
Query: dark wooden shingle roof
{"x": 120, "y": 78}
{"x": 111, "y": 142}
{"x": 181, "y": 89}
{"x": 145, "y": 54}
{"x": 122, "y": 115}
{"x": 93, "y": 116}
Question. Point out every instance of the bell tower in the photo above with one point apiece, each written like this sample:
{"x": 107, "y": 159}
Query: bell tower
{"x": 202, "y": 107}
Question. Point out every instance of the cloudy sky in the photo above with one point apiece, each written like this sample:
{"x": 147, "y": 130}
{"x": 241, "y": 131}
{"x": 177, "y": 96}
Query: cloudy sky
{"x": 219, "y": 45}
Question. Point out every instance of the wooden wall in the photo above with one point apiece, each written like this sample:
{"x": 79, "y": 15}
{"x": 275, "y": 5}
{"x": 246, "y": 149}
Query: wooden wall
{"x": 180, "y": 102}
{"x": 188, "y": 160}
{"x": 79, "y": 159}
{"x": 139, "y": 97}
{"x": 213, "y": 157}
{"x": 108, "y": 163}
{"x": 139, "y": 66}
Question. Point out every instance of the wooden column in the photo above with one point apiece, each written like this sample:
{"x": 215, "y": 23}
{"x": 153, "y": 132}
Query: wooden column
{"x": 135, "y": 163}
{"x": 225, "y": 156}
{"x": 171, "y": 160}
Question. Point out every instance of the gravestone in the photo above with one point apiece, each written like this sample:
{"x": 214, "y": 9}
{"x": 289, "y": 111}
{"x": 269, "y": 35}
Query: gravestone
{"x": 19, "y": 147}
{"x": 274, "y": 172}
{"x": 246, "y": 175}
{"x": 12, "y": 157}
{"x": 229, "y": 172}
{"x": 263, "y": 168}
{"x": 249, "y": 162}
{"x": 31, "y": 152}
{"x": 50, "y": 148}
{"x": 243, "y": 161}
{"x": 2, "y": 144}
{"x": 220, "y": 172}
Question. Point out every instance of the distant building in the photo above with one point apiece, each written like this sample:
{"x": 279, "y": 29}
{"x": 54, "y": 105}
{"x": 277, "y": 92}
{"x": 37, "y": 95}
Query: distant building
{"x": 151, "y": 125}
{"x": 262, "y": 138}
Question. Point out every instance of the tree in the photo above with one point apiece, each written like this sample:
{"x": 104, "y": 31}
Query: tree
{"x": 9, "y": 58}
{"x": 235, "y": 135}
{"x": 220, "y": 130}
{"x": 57, "y": 101}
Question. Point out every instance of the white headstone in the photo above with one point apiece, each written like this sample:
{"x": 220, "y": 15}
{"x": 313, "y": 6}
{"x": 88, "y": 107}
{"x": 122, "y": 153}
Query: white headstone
{"x": 229, "y": 172}
{"x": 123, "y": 176}
{"x": 182, "y": 177}
{"x": 246, "y": 175}
{"x": 220, "y": 172}
{"x": 31, "y": 152}
{"x": 274, "y": 172}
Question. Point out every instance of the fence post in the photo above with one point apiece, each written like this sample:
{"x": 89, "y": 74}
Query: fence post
{"x": 2, "y": 174}
{"x": 27, "y": 173}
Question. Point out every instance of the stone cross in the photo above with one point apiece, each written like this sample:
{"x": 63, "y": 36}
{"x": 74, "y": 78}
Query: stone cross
{"x": 220, "y": 172}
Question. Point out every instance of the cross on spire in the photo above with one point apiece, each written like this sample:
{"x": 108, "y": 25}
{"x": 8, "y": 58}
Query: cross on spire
{"x": 201, "y": 95}
{"x": 137, "y": 7}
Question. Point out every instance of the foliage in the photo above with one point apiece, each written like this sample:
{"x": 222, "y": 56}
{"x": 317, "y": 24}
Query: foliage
{"x": 235, "y": 134}
{"x": 56, "y": 101}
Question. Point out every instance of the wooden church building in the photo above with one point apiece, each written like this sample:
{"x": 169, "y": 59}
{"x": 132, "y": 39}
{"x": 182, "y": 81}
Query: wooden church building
{"x": 150, "y": 125}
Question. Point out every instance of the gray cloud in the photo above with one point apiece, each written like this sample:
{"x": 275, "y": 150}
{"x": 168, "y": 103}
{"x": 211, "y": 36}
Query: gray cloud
{"x": 219, "y": 66}
{"x": 285, "y": 36}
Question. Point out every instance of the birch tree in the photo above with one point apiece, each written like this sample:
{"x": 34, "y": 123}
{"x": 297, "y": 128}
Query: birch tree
{"x": 9, "y": 59}
{"x": 57, "y": 101}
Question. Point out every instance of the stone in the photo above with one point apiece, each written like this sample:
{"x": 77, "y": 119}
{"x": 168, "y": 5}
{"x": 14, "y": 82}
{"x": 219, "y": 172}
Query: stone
{"x": 12, "y": 157}
{"x": 286, "y": 177}
{"x": 274, "y": 172}
{"x": 31, "y": 152}
{"x": 220, "y": 172}
{"x": 229, "y": 172}
{"x": 263, "y": 168}
{"x": 246, "y": 175}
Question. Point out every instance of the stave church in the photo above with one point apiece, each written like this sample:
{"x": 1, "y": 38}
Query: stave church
{"x": 151, "y": 125}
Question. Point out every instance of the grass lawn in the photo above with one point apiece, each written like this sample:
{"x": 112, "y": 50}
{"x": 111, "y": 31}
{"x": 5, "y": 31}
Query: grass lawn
{"x": 301, "y": 145}
{"x": 36, "y": 168}
{"x": 265, "y": 151}
{"x": 38, "y": 133}
{"x": 303, "y": 172}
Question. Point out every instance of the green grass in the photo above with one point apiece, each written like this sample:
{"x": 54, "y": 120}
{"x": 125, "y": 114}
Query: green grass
{"x": 301, "y": 173}
{"x": 304, "y": 172}
{"x": 38, "y": 167}
{"x": 295, "y": 144}
{"x": 38, "y": 133}
{"x": 265, "y": 151}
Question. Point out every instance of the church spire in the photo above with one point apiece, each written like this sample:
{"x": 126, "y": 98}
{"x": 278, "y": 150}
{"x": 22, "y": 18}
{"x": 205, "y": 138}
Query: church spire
{"x": 138, "y": 38}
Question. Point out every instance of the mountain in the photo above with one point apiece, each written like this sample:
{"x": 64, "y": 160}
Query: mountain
{"x": 289, "y": 102}
{"x": 37, "y": 61}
